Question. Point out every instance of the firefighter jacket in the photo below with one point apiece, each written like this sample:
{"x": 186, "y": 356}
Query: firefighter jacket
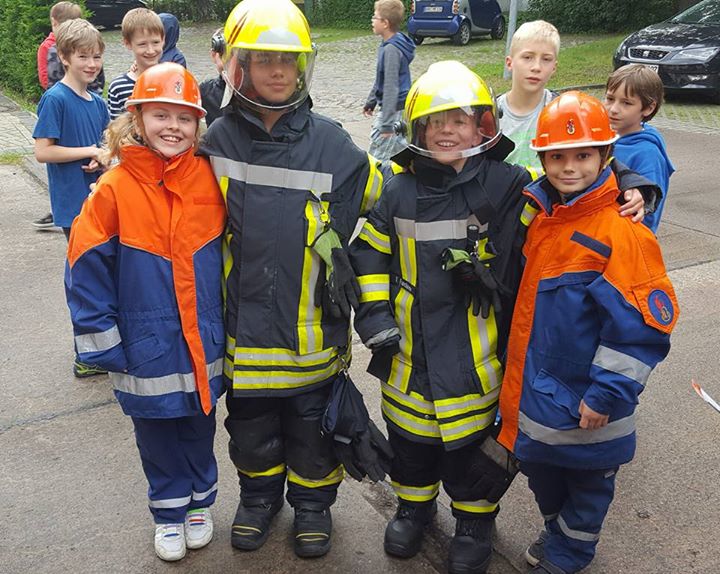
{"x": 143, "y": 283}
{"x": 592, "y": 319}
{"x": 282, "y": 189}
{"x": 443, "y": 385}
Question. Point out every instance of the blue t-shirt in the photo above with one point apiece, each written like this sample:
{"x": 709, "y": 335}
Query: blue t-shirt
{"x": 71, "y": 121}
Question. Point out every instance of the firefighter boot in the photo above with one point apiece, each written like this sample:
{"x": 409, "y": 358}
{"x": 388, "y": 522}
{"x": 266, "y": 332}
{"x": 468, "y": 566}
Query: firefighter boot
{"x": 404, "y": 533}
{"x": 251, "y": 525}
{"x": 471, "y": 547}
{"x": 312, "y": 532}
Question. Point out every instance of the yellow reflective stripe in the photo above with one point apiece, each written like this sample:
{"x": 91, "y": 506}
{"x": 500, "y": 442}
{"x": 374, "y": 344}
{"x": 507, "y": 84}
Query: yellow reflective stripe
{"x": 373, "y": 186}
{"x": 401, "y": 365}
{"x": 378, "y": 241}
{"x": 534, "y": 173}
{"x": 528, "y": 214}
{"x": 272, "y": 357}
{"x": 309, "y": 330}
{"x": 482, "y": 252}
{"x": 467, "y": 426}
{"x": 252, "y": 379}
{"x": 412, "y": 424}
{"x": 275, "y": 470}
{"x": 334, "y": 477}
{"x": 448, "y": 408}
{"x": 476, "y": 507}
{"x": 414, "y": 401}
{"x": 374, "y": 287}
{"x": 416, "y": 493}
{"x": 483, "y": 341}
{"x": 396, "y": 168}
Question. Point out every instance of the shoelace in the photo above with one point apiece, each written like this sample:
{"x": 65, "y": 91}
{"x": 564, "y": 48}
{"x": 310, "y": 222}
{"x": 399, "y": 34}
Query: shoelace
{"x": 197, "y": 517}
{"x": 171, "y": 530}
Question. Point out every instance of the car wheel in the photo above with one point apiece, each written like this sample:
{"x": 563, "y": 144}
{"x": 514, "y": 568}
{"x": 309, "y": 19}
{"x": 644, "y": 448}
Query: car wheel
{"x": 498, "y": 30}
{"x": 462, "y": 36}
{"x": 418, "y": 40}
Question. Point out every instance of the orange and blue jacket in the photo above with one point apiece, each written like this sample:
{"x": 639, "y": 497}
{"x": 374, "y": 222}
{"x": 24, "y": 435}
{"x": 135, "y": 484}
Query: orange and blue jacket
{"x": 143, "y": 283}
{"x": 592, "y": 319}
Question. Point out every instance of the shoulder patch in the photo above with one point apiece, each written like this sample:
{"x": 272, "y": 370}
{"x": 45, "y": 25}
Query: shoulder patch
{"x": 661, "y": 307}
{"x": 658, "y": 304}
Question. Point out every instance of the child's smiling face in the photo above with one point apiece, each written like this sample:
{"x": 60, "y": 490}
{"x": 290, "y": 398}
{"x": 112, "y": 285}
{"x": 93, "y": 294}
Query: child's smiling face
{"x": 572, "y": 170}
{"x": 449, "y": 133}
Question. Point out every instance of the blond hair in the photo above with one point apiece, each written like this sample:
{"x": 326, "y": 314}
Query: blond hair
{"x": 141, "y": 20}
{"x": 126, "y": 130}
{"x": 64, "y": 11}
{"x": 536, "y": 31}
{"x": 77, "y": 34}
{"x": 640, "y": 82}
{"x": 391, "y": 10}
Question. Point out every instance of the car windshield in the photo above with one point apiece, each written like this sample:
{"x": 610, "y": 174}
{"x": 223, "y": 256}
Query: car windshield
{"x": 707, "y": 12}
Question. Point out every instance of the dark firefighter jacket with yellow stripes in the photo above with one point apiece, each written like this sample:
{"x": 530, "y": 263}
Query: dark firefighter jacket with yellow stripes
{"x": 281, "y": 189}
{"x": 443, "y": 385}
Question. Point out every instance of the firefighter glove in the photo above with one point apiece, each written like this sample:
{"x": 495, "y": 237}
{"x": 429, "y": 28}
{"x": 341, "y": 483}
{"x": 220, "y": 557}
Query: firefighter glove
{"x": 385, "y": 342}
{"x": 492, "y": 470}
{"x": 368, "y": 454}
{"x": 481, "y": 288}
{"x": 340, "y": 291}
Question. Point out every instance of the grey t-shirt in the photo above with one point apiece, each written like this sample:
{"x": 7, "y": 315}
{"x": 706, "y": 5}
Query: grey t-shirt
{"x": 521, "y": 130}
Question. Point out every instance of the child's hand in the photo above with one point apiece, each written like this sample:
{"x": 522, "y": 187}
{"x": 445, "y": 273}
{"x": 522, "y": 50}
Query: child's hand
{"x": 589, "y": 419}
{"x": 367, "y": 112}
{"x": 634, "y": 205}
{"x": 93, "y": 166}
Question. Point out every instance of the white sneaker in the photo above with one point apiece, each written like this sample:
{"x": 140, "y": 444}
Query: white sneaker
{"x": 198, "y": 528}
{"x": 170, "y": 541}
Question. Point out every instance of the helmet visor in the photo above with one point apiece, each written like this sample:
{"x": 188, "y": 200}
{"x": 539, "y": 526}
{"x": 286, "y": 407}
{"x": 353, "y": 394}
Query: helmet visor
{"x": 271, "y": 80}
{"x": 455, "y": 133}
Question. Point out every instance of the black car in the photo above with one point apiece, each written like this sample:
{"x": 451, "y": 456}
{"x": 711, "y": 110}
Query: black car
{"x": 107, "y": 14}
{"x": 684, "y": 50}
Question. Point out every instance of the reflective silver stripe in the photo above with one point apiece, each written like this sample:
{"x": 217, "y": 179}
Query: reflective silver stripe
{"x": 425, "y": 492}
{"x": 377, "y": 240}
{"x": 317, "y": 183}
{"x": 453, "y": 431}
{"x": 436, "y": 230}
{"x": 614, "y": 430}
{"x": 204, "y": 495}
{"x": 169, "y": 502}
{"x": 96, "y": 342}
{"x": 419, "y": 405}
{"x": 475, "y": 506}
{"x": 470, "y": 404}
{"x": 576, "y": 534}
{"x": 156, "y": 386}
{"x": 549, "y": 517}
{"x": 622, "y": 364}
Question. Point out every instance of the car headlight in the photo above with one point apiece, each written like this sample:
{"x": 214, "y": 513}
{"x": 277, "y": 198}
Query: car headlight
{"x": 620, "y": 52}
{"x": 698, "y": 54}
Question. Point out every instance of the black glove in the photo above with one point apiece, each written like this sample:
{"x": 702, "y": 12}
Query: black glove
{"x": 369, "y": 453}
{"x": 481, "y": 288}
{"x": 388, "y": 348}
{"x": 341, "y": 290}
{"x": 491, "y": 469}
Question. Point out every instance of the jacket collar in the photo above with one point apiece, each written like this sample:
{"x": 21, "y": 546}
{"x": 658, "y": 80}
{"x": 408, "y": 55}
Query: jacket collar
{"x": 604, "y": 191}
{"x": 147, "y": 166}
{"x": 439, "y": 178}
{"x": 289, "y": 127}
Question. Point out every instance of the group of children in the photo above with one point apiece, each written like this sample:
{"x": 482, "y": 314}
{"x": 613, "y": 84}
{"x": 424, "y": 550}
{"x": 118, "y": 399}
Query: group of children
{"x": 200, "y": 266}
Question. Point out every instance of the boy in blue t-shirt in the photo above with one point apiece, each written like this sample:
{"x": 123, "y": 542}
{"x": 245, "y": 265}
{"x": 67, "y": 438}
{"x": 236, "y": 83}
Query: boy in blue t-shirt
{"x": 633, "y": 96}
{"x": 70, "y": 125}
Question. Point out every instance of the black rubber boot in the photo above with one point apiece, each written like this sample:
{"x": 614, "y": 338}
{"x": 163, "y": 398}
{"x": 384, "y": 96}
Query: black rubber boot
{"x": 251, "y": 525}
{"x": 545, "y": 567}
{"x": 312, "y": 532}
{"x": 471, "y": 547}
{"x": 404, "y": 533}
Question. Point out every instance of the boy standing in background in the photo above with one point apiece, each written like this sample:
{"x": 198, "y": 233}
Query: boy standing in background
{"x": 392, "y": 78}
{"x": 633, "y": 96}
{"x": 533, "y": 60}
{"x": 70, "y": 124}
{"x": 143, "y": 34}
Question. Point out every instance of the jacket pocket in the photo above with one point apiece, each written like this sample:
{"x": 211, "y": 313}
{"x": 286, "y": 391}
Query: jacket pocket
{"x": 552, "y": 403}
{"x": 142, "y": 351}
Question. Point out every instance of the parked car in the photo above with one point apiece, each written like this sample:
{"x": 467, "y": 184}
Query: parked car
{"x": 456, "y": 19}
{"x": 684, "y": 50}
{"x": 109, "y": 14}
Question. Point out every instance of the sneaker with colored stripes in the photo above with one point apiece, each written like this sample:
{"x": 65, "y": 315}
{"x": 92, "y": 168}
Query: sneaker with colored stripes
{"x": 198, "y": 528}
{"x": 170, "y": 541}
{"x": 82, "y": 370}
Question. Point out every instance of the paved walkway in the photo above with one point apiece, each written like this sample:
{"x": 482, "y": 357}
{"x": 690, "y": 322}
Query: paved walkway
{"x": 16, "y": 127}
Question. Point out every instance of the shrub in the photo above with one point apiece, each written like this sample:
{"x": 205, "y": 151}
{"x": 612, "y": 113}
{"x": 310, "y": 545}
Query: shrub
{"x": 600, "y": 15}
{"x": 344, "y": 14}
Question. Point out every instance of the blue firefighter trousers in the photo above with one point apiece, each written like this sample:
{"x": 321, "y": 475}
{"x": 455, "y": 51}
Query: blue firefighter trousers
{"x": 574, "y": 504}
{"x": 179, "y": 464}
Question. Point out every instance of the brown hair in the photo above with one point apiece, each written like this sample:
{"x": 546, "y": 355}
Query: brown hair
{"x": 641, "y": 82}
{"x": 77, "y": 34}
{"x": 125, "y": 130}
{"x": 391, "y": 10}
{"x": 141, "y": 20}
{"x": 64, "y": 11}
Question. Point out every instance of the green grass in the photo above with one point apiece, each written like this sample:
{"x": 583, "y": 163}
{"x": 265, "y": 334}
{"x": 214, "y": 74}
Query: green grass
{"x": 322, "y": 35}
{"x": 10, "y": 158}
